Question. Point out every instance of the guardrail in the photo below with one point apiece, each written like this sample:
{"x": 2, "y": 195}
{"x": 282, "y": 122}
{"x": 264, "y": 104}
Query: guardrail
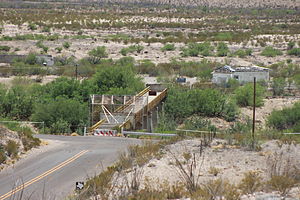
{"x": 149, "y": 134}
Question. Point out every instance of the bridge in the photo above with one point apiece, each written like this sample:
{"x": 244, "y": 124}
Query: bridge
{"x": 113, "y": 112}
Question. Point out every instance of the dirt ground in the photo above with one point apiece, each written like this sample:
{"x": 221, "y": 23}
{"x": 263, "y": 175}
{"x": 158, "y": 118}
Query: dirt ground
{"x": 263, "y": 112}
{"x": 230, "y": 161}
{"x": 80, "y": 47}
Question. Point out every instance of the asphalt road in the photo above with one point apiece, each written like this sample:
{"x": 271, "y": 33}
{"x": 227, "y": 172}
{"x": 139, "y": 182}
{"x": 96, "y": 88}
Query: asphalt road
{"x": 52, "y": 174}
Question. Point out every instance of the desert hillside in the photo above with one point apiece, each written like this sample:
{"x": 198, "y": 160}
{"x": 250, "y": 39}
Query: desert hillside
{"x": 293, "y": 4}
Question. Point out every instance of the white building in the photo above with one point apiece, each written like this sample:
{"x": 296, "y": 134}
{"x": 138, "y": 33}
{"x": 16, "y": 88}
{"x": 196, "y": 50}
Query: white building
{"x": 243, "y": 74}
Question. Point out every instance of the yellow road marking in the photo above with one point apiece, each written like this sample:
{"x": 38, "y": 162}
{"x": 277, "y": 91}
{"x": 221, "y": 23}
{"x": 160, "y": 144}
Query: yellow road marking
{"x": 50, "y": 171}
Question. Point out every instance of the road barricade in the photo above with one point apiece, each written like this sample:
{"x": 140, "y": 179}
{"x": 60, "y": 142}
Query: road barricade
{"x": 105, "y": 132}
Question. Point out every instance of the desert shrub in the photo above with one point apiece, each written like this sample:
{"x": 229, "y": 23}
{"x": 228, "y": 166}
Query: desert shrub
{"x": 222, "y": 49}
{"x": 202, "y": 69}
{"x": 100, "y": 185}
{"x": 287, "y": 118}
{"x": 164, "y": 191}
{"x": 198, "y": 123}
{"x": 294, "y": 52}
{"x": 215, "y": 189}
{"x": 165, "y": 123}
{"x": 2, "y": 156}
{"x": 32, "y": 26}
{"x": 27, "y": 138}
{"x": 40, "y": 44}
{"x": 66, "y": 45}
{"x": 147, "y": 67}
{"x": 278, "y": 85}
{"x": 283, "y": 184}
{"x": 131, "y": 49}
{"x": 208, "y": 102}
{"x": 62, "y": 60}
{"x": 251, "y": 182}
{"x": 194, "y": 49}
{"x": 214, "y": 171}
{"x": 168, "y": 47}
{"x": 97, "y": 54}
{"x": 271, "y": 52}
{"x": 291, "y": 45}
{"x": 4, "y": 48}
{"x": 244, "y": 95}
{"x": 31, "y": 59}
{"x": 46, "y": 29}
{"x": 11, "y": 148}
{"x": 58, "y": 49}
{"x": 243, "y": 53}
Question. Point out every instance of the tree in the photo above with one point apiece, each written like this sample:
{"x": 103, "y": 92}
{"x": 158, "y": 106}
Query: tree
{"x": 17, "y": 103}
{"x": 61, "y": 114}
{"x": 117, "y": 80}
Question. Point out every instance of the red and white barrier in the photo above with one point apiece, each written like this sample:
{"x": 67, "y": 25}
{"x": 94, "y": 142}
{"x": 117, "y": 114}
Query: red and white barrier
{"x": 101, "y": 132}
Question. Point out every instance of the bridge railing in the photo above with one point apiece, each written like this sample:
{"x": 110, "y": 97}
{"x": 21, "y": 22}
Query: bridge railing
{"x": 121, "y": 108}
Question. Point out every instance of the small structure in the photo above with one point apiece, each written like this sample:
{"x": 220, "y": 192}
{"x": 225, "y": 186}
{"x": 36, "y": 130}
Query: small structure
{"x": 221, "y": 75}
{"x": 46, "y": 60}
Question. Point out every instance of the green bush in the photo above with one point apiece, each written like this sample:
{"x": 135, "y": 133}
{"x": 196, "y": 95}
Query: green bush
{"x": 58, "y": 49}
{"x": 287, "y": 118}
{"x": 195, "y": 49}
{"x": 31, "y": 59}
{"x": 271, "y": 52}
{"x": 222, "y": 49}
{"x": 291, "y": 45}
{"x": 243, "y": 53}
{"x": 61, "y": 114}
{"x": 66, "y": 45}
{"x": 208, "y": 102}
{"x": 278, "y": 86}
{"x": 97, "y": 54}
{"x": 39, "y": 44}
{"x": 244, "y": 95}
{"x": 131, "y": 49}
{"x": 32, "y": 26}
{"x": 147, "y": 67}
{"x": 168, "y": 47}
{"x": 4, "y": 48}
{"x": 294, "y": 52}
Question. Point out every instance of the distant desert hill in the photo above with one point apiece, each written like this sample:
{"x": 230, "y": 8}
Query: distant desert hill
{"x": 291, "y": 4}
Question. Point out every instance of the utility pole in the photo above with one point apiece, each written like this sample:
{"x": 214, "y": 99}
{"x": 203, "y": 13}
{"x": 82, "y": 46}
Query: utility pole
{"x": 254, "y": 102}
{"x": 76, "y": 71}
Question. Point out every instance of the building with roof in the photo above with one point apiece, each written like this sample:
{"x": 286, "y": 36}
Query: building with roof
{"x": 221, "y": 75}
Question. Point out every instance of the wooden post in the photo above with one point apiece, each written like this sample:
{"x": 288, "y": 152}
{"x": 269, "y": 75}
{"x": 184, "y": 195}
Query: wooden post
{"x": 254, "y": 102}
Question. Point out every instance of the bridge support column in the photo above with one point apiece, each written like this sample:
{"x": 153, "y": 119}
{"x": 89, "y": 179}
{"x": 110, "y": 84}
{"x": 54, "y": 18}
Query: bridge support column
{"x": 150, "y": 122}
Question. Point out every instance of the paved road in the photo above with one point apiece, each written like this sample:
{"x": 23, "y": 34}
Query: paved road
{"x": 52, "y": 173}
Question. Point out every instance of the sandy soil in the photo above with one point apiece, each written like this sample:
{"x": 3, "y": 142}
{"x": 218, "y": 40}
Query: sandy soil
{"x": 269, "y": 105}
{"x": 231, "y": 162}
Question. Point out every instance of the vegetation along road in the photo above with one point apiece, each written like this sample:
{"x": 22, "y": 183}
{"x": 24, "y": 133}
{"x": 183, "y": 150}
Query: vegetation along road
{"x": 53, "y": 173}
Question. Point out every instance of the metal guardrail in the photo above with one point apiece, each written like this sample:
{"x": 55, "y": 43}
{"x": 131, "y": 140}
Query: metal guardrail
{"x": 291, "y": 133}
{"x": 149, "y": 134}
